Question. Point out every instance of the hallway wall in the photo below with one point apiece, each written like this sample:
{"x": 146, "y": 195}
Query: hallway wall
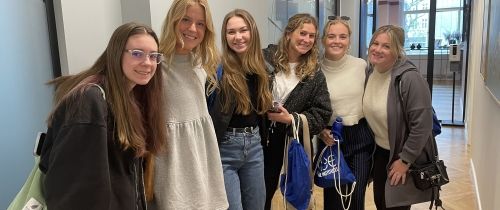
{"x": 482, "y": 121}
{"x": 26, "y": 100}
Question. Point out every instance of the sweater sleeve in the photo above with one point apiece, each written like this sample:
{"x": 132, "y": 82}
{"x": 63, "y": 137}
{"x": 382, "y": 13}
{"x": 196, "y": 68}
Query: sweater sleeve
{"x": 418, "y": 113}
{"x": 318, "y": 107}
{"x": 77, "y": 175}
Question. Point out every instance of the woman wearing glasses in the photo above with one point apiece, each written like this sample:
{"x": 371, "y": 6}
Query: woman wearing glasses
{"x": 298, "y": 87}
{"x": 242, "y": 100}
{"x": 189, "y": 173}
{"x": 105, "y": 127}
{"x": 345, "y": 78}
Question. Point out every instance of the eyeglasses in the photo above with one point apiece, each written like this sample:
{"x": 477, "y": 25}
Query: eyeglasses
{"x": 141, "y": 55}
{"x": 345, "y": 18}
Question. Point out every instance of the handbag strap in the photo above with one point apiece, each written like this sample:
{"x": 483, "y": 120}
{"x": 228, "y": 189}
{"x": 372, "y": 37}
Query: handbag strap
{"x": 397, "y": 83}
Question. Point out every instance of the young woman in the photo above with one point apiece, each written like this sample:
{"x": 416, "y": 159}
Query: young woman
{"x": 398, "y": 146}
{"x": 345, "y": 78}
{"x": 298, "y": 87}
{"x": 189, "y": 173}
{"x": 242, "y": 100}
{"x": 105, "y": 127}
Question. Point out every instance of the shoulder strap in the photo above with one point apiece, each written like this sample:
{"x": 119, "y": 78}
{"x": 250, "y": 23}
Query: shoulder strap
{"x": 397, "y": 83}
{"x": 100, "y": 88}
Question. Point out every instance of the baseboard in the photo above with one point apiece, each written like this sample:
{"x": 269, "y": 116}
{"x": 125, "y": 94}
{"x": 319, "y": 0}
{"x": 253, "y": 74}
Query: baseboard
{"x": 474, "y": 180}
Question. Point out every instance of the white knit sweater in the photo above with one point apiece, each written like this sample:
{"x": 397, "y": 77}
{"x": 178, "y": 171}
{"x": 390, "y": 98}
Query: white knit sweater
{"x": 345, "y": 79}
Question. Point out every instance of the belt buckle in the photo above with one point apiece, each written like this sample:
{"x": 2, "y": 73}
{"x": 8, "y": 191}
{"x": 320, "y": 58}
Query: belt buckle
{"x": 247, "y": 130}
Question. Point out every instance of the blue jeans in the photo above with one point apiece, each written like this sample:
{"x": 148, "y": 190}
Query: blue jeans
{"x": 243, "y": 163}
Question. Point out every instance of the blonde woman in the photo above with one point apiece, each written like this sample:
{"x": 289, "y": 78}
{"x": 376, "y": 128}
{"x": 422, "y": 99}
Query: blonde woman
{"x": 398, "y": 146}
{"x": 189, "y": 173}
{"x": 298, "y": 86}
{"x": 345, "y": 78}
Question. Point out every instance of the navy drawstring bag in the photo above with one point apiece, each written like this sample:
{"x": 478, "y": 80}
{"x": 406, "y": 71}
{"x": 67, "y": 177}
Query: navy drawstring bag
{"x": 331, "y": 161}
{"x": 295, "y": 179}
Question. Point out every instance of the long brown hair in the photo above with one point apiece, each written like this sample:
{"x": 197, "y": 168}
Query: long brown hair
{"x": 234, "y": 83}
{"x": 206, "y": 53}
{"x": 138, "y": 114}
{"x": 308, "y": 62}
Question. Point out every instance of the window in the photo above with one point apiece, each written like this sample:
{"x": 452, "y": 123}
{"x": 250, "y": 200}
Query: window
{"x": 449, "y": 15}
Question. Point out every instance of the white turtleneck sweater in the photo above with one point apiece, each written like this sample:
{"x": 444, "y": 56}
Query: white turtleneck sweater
{"x": 345, "y": 79}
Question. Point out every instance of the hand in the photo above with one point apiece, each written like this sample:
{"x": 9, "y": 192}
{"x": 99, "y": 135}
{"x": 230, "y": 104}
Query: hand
{"x": 281, "y": 116}
{"x": 398, "y": 171}
{"x": 327, "y": 137}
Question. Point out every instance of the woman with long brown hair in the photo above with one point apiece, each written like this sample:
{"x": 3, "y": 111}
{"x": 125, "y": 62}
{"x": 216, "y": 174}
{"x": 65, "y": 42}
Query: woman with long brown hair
{"x": 105, "y": 127}
{"x": 240, "y": 103}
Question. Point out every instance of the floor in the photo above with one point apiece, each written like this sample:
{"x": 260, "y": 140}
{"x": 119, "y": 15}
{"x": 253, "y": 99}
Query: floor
{"x": 457, "y": 195}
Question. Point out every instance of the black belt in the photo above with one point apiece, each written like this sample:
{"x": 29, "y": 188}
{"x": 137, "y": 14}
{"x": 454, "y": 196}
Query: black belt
{"x": 242, "y": 130}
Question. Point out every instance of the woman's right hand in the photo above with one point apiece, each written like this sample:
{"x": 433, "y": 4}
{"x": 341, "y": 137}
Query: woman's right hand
{"x": 327, "y": 137}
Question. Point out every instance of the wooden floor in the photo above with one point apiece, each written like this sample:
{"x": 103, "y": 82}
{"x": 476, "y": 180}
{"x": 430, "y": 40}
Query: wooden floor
{"x": 457, "y": 195}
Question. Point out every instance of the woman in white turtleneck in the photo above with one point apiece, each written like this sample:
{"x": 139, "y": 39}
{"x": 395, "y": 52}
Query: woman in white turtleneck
{"x": 345, "y": 77}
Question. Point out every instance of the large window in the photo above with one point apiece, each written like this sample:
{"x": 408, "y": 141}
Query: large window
{"x": 449, "y": 15}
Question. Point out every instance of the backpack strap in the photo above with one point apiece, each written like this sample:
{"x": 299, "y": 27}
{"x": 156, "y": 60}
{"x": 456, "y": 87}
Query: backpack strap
{"x": 212, "y": 96}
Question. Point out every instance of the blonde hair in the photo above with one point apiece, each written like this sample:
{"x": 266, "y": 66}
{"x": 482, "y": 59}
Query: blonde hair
{"x": 307, "y": 62}
{"x": 396, "y": 36}
{"x": 234, "y": 83}
{"x": 205, "y": 54}
{"x": 334, "y": 22}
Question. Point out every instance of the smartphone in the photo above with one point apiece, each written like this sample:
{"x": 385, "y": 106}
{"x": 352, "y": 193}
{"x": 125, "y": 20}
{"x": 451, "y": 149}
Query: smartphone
{"x": 276, "y": 106}
{"x": 39, "y": 143}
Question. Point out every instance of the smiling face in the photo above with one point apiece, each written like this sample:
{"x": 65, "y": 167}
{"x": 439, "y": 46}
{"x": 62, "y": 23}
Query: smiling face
{"x": 191, "y": 29}
{"x": 381, "y": 54}
{"x": 139, "y": 70}
{"x": 336, "y": 41}
{"x": 238, "y": 35}
{"x": 301, "y": 41}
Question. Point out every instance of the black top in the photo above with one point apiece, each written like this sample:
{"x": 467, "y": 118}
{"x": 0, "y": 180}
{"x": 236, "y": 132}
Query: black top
{"x": 241, "y": 121}
{"x": 85, "y": 167}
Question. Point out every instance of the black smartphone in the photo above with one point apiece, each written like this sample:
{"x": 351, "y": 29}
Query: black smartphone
{"x": 38, "y": 143}
{"x": 276, "y": 106}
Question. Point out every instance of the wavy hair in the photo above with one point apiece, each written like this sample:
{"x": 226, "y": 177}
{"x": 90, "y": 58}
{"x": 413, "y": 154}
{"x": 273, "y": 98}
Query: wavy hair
{"x": 138, "y": 113}
{"x": 205, "y": 54}
{"x": 236, "y": 67}
{"x": 307, "y": 62}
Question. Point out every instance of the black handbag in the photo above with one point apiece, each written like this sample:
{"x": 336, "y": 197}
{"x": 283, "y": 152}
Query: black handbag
{"x": 429, "y": 175}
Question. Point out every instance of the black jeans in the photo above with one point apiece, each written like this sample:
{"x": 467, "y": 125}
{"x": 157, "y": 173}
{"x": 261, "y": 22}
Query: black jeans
{"x": 381, "y": 159}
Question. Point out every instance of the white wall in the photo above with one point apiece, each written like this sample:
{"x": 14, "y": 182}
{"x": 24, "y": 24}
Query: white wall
{"x": 84, "y": 29}
{"x": 351, "y": 9}
{"x": 482, "y": 120}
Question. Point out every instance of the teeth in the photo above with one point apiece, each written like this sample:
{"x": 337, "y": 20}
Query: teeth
{"x": 189, "y": 37}
{"x": 142, "y": 72}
